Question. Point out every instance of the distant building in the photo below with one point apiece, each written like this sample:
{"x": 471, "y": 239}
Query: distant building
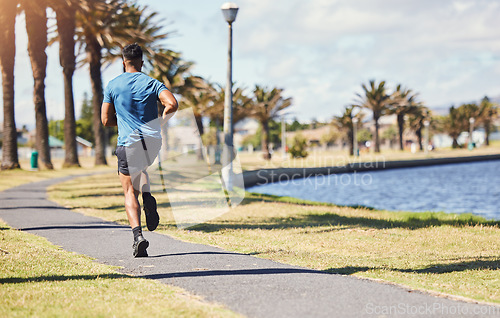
{"x": 244, "y": 128}
{"x": 313, "y": 136}
{"x": 183, "y": 138}
{"x": 21, "y": 135}
{"x": 84, "y": 147}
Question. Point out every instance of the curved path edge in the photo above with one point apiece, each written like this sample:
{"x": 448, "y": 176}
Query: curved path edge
{"x": 252, "y": 286}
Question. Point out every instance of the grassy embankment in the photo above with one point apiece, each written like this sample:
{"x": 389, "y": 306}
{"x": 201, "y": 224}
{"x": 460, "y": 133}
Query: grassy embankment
{"x": 444, "y": 253}
{"x": 39, "y": 279}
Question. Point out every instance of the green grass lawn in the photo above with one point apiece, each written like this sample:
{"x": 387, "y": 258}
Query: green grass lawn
{"x": 39, "y": 279}
{"x": 439, "y": 252}
{"x": 13, "y": 178}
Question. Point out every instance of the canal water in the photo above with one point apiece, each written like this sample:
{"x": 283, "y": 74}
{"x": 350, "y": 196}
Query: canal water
{"x": 459, "y": 188}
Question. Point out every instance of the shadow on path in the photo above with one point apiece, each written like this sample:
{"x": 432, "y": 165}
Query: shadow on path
{"x": 260, "y": 271}
{"x": 40, "y": 207}
{"x": 54, "y": 278}
{"x": 490, "y": 263}
{"x": 332, "y": 219}
{"x": 75, "y": 227}
{"x": 198, "y": 253}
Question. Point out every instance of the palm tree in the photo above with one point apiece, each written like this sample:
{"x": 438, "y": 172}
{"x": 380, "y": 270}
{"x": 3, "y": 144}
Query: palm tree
{"x": 110, "y": 26}
{"x": 376, "y": 99}
{"x": 170, "y": 69}
{"x": 488, "y": 111}
{"x": 7, "y": 56}
{"x": 403, "y": 103}
{"x": 268, "y": 105}
{"x": 199, "y": 100}
{"x": 417, "y": 116}
{"x": 65, "y": 16}
{"x": 241, "y": 105}
{"x": 345, "y": 124}
{"x": 453, "y": 125}
{"x": 36, "y": 27}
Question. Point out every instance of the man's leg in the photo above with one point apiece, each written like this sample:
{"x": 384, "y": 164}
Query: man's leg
{"x": 132, "y": 206}
{"x": 145, "y": 187}
{"x": 149, "y": 202}
{"x": 133, "y": 211}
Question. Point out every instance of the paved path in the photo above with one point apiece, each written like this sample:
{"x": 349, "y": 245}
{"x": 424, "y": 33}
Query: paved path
{"x": 252, "y": 286}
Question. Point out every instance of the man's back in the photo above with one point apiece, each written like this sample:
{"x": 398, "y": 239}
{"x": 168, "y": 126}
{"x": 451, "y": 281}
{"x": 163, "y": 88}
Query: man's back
{"x": 134, "y": 96}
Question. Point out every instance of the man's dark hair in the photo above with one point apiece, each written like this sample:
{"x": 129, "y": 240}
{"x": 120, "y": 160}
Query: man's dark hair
{"x": 132, "y": 52}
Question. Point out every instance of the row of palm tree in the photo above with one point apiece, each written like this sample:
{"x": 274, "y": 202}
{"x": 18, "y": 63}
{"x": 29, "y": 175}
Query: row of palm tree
{"x": 95, "y": 31}
{"x": 101, "y": 29}
{"x": 263, "y": 104}
{"x": 410, "y": 112}
{"x": 458, "y": 119}
{"x": 376, "y": 98}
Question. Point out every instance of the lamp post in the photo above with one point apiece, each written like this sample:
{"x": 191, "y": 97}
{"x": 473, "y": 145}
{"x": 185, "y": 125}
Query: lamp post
{"x": 283, "y": 137}
{"x": 229, "y": 10}
{"x": 471, "y": 122}
{"x": 426, "y": 143}
{"x": 355, "y": 136}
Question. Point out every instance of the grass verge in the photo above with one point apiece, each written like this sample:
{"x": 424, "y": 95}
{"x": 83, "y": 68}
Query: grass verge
{"x": 327, "y": 158}
{"x": 446, "y": 253}
{"x": 39, "y": 279}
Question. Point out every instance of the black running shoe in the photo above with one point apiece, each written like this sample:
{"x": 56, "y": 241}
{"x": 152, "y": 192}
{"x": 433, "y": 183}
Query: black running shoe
{"x": 140, "y": 246}
{"x": 152, "y": 217}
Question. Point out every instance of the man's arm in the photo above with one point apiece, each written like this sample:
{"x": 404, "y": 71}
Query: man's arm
{"x": 168, "y": 100}
{"x": 108, "y": 115}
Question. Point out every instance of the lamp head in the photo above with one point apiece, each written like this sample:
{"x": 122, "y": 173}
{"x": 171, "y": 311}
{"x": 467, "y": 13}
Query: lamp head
{"x": 229, "y": 10}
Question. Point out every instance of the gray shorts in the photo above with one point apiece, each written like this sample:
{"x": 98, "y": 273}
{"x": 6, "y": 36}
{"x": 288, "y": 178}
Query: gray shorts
{"x": 138, "y": 156}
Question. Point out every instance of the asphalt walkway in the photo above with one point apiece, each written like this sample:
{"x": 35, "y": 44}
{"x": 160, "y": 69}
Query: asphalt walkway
{"x": 248, "y": 285}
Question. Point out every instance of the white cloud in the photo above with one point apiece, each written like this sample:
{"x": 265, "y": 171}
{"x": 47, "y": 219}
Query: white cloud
{"x": 446, "y": 50}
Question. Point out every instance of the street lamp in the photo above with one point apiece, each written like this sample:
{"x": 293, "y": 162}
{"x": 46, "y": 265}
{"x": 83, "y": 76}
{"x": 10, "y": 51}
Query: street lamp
{"x": 355, "y": 136}
{"x": 426, "y": 144}
{"x": 229, "y": 10}
{"x": 283, "y": 137}
{"x": 471, "y": 122}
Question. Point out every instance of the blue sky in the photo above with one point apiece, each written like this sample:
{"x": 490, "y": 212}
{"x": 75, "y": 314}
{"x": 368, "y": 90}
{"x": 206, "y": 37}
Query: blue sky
{"x": 319, "y": 51}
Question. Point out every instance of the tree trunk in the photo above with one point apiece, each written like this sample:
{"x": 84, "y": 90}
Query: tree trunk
{"x": 418, "y": 132}
{"x": 199, "y": 124}
{"x": 7, "y": 56}
{"x": 487, "y": 133}
{"x": 66, "y": 29}
{"x": 377, "y": 139}
{"x": 350, "y": 137}
{"x": 265, "y": 140}
{"x": 401, "y": 127}
{"x": 454, "y": 145}
{"x": 94, "y": 53}
{"x": 36, "y": 27}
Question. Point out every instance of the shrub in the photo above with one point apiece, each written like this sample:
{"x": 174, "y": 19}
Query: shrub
{"x": 299, "y": 146}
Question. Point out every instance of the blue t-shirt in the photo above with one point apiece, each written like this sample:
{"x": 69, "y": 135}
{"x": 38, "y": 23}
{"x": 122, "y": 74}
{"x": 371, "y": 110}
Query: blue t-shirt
{"x": 134, "y": 96}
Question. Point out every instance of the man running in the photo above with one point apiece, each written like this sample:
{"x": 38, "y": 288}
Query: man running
{"x": 130, "y": 102}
